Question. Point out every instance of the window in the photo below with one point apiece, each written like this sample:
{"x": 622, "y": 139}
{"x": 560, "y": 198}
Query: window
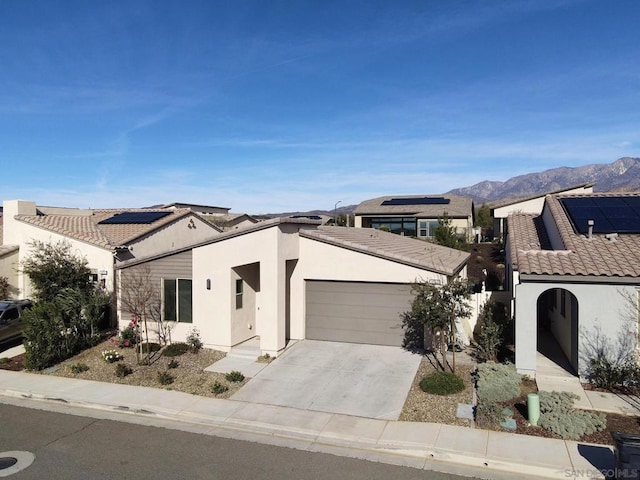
{"x": 427, "y": 228}
{"x": 399, "y": 225}
{"x": 176, "y": 300}
{"x": 239, "y": 293}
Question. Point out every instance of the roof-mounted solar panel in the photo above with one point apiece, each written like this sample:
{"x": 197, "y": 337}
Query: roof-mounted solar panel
{"x": 134, "y": 217}
{"x": 615, "y": 214}
{"x": 417, "y": 201}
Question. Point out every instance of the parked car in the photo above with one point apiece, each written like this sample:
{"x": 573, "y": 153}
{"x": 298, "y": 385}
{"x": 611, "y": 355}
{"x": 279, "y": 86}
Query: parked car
{"x": 11, "y": 318}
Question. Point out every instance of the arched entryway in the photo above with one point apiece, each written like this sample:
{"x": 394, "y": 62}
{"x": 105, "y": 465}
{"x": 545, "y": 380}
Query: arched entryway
{"x": 557, "y": 318}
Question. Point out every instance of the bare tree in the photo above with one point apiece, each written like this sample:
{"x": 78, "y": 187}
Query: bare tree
{"x": 140, "y": 296}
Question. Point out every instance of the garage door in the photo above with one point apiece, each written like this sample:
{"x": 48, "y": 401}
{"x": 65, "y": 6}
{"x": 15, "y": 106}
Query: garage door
{"x": 356, "y": 312}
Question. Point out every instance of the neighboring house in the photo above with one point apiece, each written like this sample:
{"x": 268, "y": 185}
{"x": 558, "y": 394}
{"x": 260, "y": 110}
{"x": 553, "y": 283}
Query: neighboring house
{"x": 531, "y": 204}
{"x": 289, "y": 278}
{"x": 416, "y": 215}
{"x": 103, "y": 237}
{"x": 573, "y": 272}
{"x": 199, "y": 209}
{"x": 231, "y": 221}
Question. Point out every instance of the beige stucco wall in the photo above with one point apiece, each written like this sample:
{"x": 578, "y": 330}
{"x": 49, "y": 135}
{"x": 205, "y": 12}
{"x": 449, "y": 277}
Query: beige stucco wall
{"x": 186, "y": 231}
{"x": 19, "y": 233}
{"x": 9, "y": 269}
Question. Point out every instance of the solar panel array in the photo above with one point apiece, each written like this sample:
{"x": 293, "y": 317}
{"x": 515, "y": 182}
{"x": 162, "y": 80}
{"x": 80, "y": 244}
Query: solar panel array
{"x": 134, "y": 217}
{"x": 417, "y": 201}
{"x": 615, "y": 214}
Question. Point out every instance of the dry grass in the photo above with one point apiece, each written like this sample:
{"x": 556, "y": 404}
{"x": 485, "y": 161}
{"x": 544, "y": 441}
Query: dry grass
{"x": 189, "y": 376}
{"x": 426, "y": 407}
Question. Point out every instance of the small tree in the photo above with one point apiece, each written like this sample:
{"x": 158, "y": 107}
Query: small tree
{"x": 5, "y": 287}
{"x": 484, "y": 220}
{"x": 445, "y": 234}
{"x": 438, "y": 308}
{"x": 140, "y": 296}
{"x": 52, "y": 267}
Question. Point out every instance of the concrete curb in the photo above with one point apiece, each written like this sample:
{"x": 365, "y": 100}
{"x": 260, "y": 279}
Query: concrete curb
{"x": 387, "y": 451}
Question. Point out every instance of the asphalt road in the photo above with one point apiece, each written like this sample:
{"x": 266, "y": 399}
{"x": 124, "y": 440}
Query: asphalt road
{"x": 74, "y": 447}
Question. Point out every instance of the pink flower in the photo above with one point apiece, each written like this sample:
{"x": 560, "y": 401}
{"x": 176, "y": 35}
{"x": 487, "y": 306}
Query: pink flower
{"x": 126, "y": 343}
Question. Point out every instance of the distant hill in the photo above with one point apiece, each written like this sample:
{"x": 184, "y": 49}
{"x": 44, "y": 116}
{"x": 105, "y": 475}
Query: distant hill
{"x": 346, "y": 210}
{"x": 623, "y": 175}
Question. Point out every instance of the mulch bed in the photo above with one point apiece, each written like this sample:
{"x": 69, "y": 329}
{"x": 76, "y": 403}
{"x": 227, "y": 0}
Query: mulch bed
{"x": 615, "y": 422}
{"x": 15, "y": 364}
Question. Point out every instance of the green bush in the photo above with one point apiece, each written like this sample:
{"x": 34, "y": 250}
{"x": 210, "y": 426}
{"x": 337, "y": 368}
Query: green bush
{"x": 218, "y": 388}
{"x": 173, "y": 363}
{"x": 488, "y": 341}
{"x": 122, "y": 370}
{"x": 558, "y": 415}
{"x": 129, "y": 337}
{"x": 44, "y": 335}
{"x": 4, "y": 360}
{"x": 442, "y": 383}
{"x": 234, "y": 376}
{"x": 79, "y": 368}
{"x": 496, "y": 382}
{"x": 605, "y": 373}
{"x": 489, "y": 413}
{"x": 175, "y": 349}
{"x": 165, "y": 378}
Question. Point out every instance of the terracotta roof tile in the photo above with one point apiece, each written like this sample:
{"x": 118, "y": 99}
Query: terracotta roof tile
{"x": 87, "y": 228}
{"x": 598, "y": 256}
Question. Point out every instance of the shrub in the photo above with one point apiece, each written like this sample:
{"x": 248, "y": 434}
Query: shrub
{"x": 442, "y": 383}
{"x": 497, "y": 382}
{"x": 129, "y": 336}
{"x": 4, "y": 360}
{"x": 110, "y": 356}
{"x": 218, "y": 388}
{"x": 79, "y": 368}
{"x": 558, "y": 415}
{"x": 193, "y": 340}
{"x": 175, "y": 349}
{"x": 488, "y": 341}
{"x": 165, "y": 378}
{"x": 122, "y": 370}
{"x": 489, "y": 413}
{"x": 605, "y": 373}
{"x": 234, "y": 376}
{"x": 173, "y": 363}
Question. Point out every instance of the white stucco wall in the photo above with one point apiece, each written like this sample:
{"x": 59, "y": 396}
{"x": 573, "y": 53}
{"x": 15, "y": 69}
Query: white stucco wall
{"x": 599, "y": 306}
{"x": 213, "y": 315}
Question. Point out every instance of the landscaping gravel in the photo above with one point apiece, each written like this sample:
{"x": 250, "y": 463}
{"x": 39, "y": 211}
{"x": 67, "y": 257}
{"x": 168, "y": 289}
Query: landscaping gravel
{"x": 426, "y": 407}
{"x": 189, "y": 376}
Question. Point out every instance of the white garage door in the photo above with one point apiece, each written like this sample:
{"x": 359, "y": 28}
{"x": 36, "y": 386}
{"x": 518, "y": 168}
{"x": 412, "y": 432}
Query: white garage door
{"x": 356, "y": 312}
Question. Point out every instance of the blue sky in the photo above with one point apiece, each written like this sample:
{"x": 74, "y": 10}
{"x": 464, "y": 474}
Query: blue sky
{"x": 272, "y": 106}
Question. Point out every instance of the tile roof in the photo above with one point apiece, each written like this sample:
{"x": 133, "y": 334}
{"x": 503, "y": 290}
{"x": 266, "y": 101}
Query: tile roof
{"x": 512, "y": 201}
{"x": 409, "y": 251}
{"x": 457, "y": 207}
{"x": 86, "y": 227}
{"x": 531, "y": 252}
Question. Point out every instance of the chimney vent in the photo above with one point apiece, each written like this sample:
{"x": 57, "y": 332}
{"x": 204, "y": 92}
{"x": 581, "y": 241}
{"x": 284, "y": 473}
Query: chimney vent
{"x": 590, "y": 224}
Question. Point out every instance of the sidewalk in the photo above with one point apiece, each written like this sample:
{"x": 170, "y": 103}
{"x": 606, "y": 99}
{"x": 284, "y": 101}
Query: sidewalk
{"x": 419, "y": 445}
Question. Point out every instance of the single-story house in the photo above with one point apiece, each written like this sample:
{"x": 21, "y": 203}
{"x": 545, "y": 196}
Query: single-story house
{"x": 573, "y": 272}
{"x": 416, "y": 215}
{"x": 291, "y": 278}
{"x": 530, "y": 204}
{"x": 103, "y": 237}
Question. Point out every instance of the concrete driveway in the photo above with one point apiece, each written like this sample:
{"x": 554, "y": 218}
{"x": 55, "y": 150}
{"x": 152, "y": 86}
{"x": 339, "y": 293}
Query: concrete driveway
{"x": 362, "y": 380}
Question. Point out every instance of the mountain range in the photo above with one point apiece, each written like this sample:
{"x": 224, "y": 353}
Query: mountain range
{"x": 623, "y": 175}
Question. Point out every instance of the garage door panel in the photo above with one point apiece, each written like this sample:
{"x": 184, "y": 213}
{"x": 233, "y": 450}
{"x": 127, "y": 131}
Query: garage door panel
{"x": 357, "y": 312}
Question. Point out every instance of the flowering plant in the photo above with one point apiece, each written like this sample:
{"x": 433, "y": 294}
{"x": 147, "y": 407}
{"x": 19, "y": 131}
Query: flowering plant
{"x": 111, "y": 356}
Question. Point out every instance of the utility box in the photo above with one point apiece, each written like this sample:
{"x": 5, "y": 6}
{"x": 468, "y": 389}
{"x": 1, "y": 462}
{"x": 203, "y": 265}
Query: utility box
{"x": 627, "y": 455}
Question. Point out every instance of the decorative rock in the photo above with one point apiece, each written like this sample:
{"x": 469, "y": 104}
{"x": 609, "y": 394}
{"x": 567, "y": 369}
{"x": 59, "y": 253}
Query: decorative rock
{"x": 507, "y": 412}
{"x": 509, "y": 424}
{"x": 464, "y": 411}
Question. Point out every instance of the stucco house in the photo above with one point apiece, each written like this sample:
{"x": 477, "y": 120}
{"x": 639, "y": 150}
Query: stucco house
{"x": 416, "y": 215}
{"x": 103, "y": 237}
{"x": 291, "y": 278}
{"x": 573, "y": 272}
{"x": 530, "y": 204}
